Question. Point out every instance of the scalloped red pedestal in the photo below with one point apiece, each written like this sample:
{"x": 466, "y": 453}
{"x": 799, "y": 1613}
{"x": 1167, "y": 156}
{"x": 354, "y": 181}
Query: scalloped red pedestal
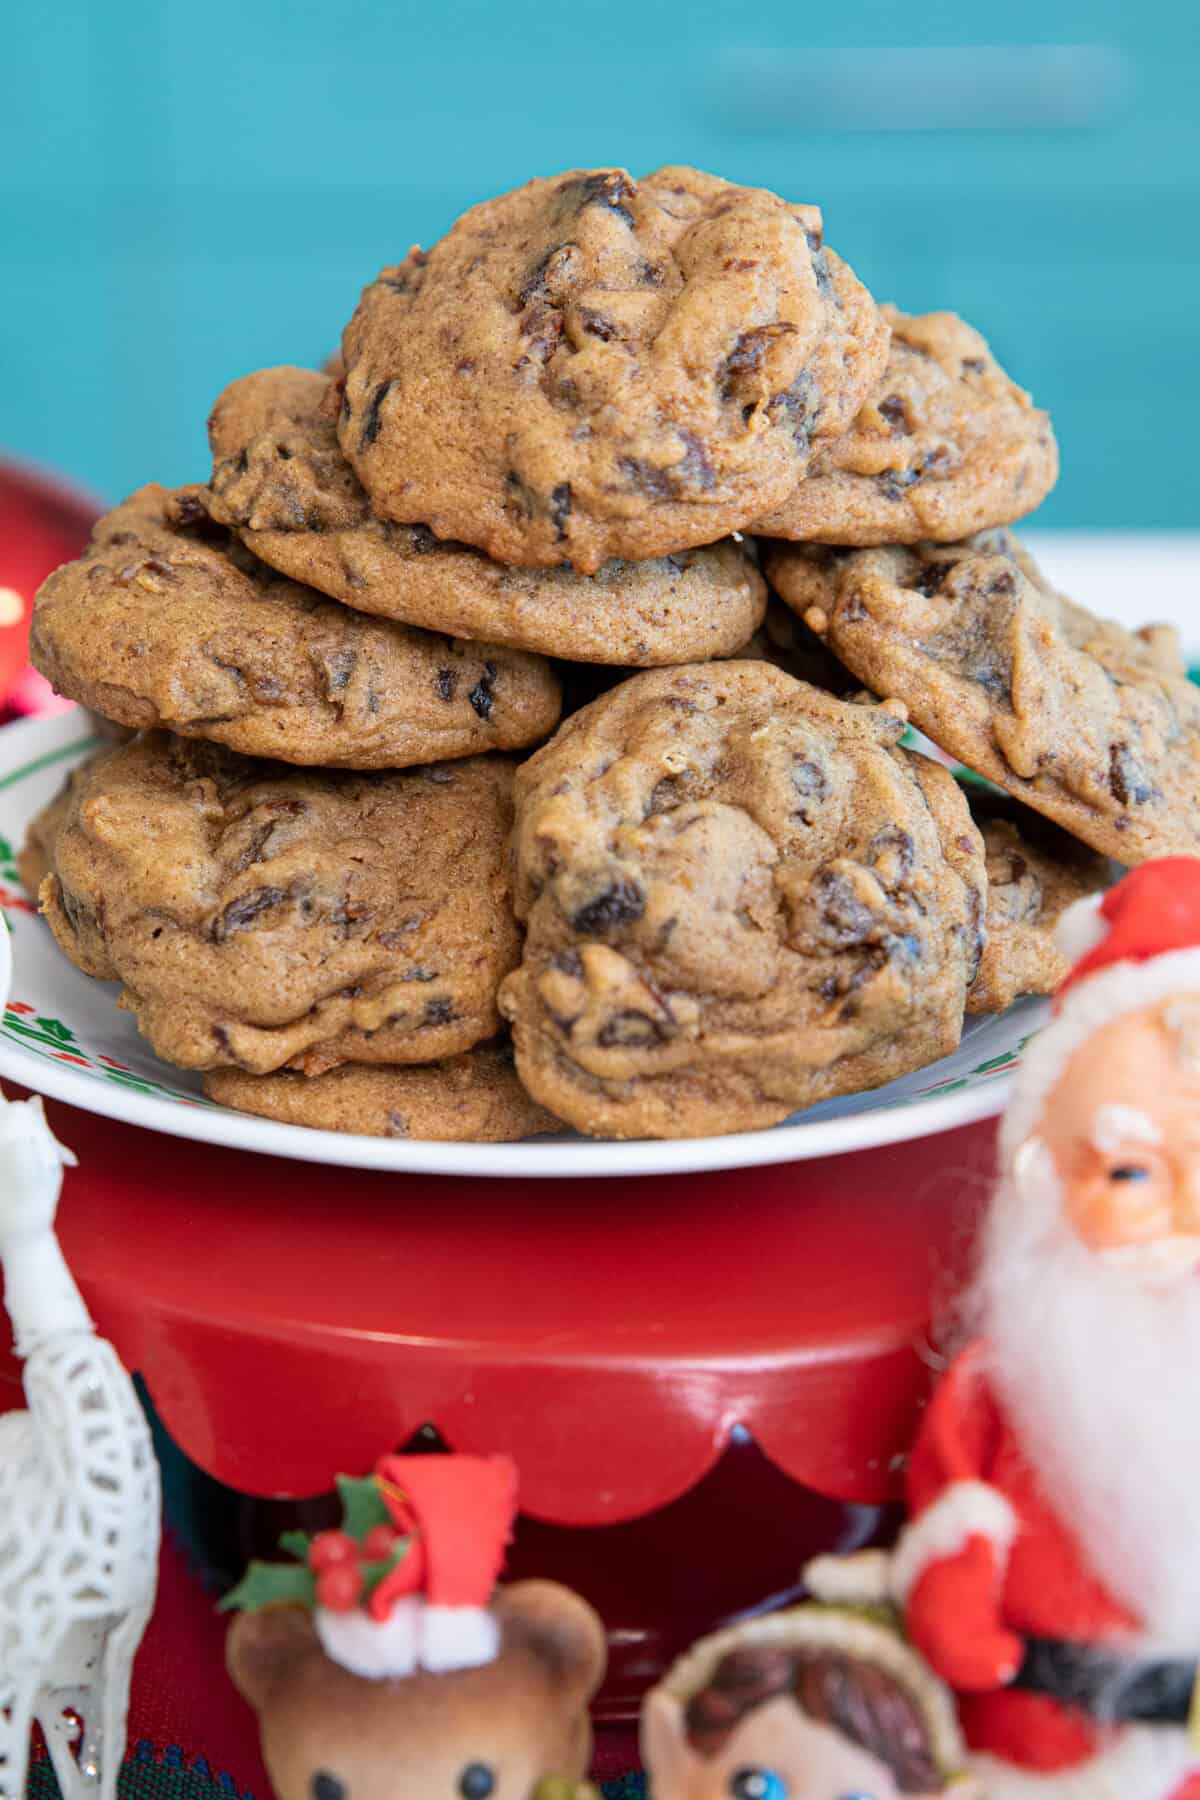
{"x": 715, "y": 1375}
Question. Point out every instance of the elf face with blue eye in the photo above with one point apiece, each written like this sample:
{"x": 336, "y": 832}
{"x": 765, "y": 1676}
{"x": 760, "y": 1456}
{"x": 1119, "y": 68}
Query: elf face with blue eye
{"x": 797, "y": 1723}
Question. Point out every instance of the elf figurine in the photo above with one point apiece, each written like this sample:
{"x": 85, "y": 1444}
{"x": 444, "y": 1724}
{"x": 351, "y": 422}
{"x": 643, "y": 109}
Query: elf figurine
{"x": 1050, "y": 1571}
{"x": 823, "y": 1701}
{"x": 385, "y": 1661}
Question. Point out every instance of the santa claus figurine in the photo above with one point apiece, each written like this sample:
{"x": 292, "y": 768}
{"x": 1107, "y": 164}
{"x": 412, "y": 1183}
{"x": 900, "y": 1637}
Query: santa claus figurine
{"x": 1050, "y": 1571}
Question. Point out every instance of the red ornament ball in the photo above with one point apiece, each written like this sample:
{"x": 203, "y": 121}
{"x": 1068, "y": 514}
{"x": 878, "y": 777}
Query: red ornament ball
{"x": 43, "y": 522}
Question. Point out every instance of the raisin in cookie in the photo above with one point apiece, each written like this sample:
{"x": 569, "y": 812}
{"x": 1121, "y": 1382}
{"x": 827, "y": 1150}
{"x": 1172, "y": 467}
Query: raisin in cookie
{"x": 1035, "y": 872}
{"x": 473, "y": 1098}
{"x": 1096, "y": 727}
{"x": 280, "y": 479}
{"x": 741, "y": 897}
{"x": 946, "y": 445}
{"x": 263, "y": 916}
{"x": 166, "y": 619}
{"x": 592, "y": 367}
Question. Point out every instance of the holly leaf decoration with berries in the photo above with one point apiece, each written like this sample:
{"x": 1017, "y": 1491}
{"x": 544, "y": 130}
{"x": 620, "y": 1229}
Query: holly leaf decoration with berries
{"x": 337, "y": 1570}
{"x": 272, "y": 1584}
{"x": 362, "y": 1505}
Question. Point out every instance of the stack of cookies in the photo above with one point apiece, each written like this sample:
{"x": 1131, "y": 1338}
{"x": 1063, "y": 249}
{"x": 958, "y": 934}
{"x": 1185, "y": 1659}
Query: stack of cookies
{"x": 538, "y": 502}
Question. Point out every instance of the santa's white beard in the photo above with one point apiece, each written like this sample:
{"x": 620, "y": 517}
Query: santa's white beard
{"x": 1099, "y": 1374}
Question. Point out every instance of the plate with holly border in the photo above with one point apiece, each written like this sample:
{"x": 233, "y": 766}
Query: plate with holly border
{"x": 62, "y": 1035}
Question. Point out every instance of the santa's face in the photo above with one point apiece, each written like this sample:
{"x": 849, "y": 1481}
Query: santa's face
{"x": 1123, "y": 1127}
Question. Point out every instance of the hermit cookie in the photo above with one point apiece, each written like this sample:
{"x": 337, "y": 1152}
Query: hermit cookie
{"x": 262, "y": 916}
{"x": 167, "y": 619}
{"x": 945, "y": 445}
{"x": 1096, "y": 727}
{"x": 35, "y": 858}
{"x": 742, "y": 897}
{"x": 1035, "y": 872}
{"x": 280, "y": 479}
{"x": 474, "y": 1098}
{"x": 592, "y": 367}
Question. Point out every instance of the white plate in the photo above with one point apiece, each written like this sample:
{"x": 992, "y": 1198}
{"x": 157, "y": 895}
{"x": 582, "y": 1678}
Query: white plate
{"x": 62, "y": 1035}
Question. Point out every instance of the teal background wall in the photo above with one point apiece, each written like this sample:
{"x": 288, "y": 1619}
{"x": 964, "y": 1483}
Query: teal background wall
{"x": 189, "y": 192}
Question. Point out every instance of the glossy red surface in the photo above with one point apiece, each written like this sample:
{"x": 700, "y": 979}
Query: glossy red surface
{"x": 291, "y": 1319}
{"x": 622, "y": 1340}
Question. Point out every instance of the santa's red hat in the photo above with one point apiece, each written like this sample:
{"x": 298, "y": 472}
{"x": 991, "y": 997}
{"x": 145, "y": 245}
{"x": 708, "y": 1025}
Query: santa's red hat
{"x": 433, "y": 1611}
{"x": 1134, "y": 946}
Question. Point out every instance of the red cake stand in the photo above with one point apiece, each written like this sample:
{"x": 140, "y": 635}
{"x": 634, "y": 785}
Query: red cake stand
{"x": 704, "y": 1379}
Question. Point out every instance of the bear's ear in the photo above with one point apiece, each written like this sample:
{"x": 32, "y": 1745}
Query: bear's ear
{"x": 560, "y": 1628}
{"x": 663, "y": 1741}
{"x": 265, "y": 1649}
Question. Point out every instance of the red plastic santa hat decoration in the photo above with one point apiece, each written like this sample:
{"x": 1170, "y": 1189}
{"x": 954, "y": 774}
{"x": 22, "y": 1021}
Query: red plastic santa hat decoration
{"x": 1136, "y": 944}
{"x": 407, "y": 1582}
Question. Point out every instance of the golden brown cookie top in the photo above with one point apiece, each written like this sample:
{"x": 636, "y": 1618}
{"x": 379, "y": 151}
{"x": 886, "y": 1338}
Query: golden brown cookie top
{"x": 741, "y": 897}
{"x": 946, "y": 445}
{"x": 167, "y": 620}
{"x": 260, "y": 915}
{"x": 473, "y": 1098}
{"x": 1094, "y": 726}
{"x": 280, "y": 480}
{"x": 277, "y": 462}
{"x": 592, "y": 367}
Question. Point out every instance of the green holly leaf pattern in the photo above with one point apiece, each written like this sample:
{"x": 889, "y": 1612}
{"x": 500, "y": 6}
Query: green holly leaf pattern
{"x": 54, "y": 1028}
{"x": 51, "y": 1032}
{"x": 271, "y": 1584}
{"x": 296, "y": 1543}
{"x": 362, "y": 1506}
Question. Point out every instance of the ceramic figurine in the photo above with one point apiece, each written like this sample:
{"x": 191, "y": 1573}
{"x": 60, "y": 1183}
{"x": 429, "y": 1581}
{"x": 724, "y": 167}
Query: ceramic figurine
{"x": 823, "y": 1701}
{"x": 1051, "y": 1569}
{"x": 79, "y": 1492}
{"x": 384, "y": 1660}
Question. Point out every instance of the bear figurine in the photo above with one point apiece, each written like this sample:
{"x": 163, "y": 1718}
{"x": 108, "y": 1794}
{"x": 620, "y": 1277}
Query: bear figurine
{"x": 488, "y": 1733}
{"x": 385, "y": 1661}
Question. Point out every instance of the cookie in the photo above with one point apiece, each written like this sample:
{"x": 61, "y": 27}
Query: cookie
{"x": 35, "y": 858}
{"x": 1035, "y": 872}
{"x": 261, "y": 916}
{"x": 945, "y": 446}
{"x": 741, "y": 897}
{"x": 474, "y": 1098}
{"x": 167, "y": 620}
{"x": 1096, "y": 727}
{"x": 592, "y": 367}
{"x": 280, "y": 479}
